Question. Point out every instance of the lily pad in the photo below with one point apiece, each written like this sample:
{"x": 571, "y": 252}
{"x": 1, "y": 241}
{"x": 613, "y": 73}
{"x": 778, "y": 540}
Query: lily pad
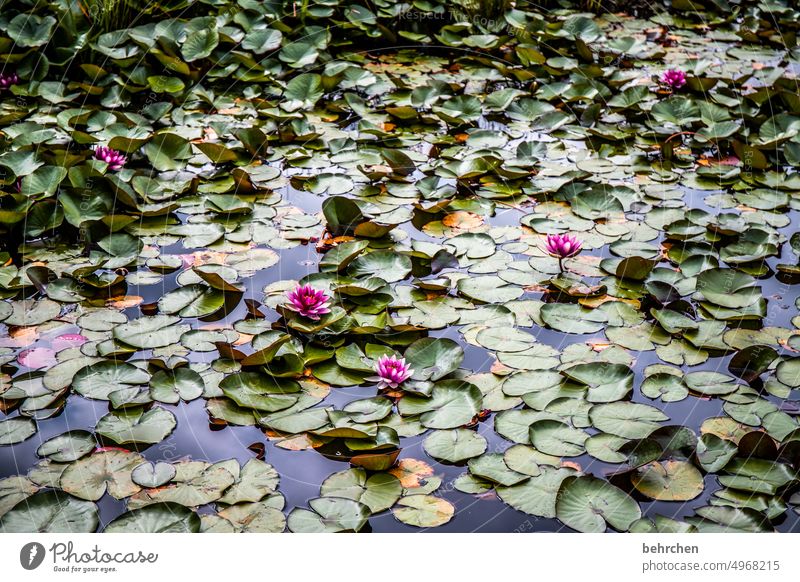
{"x": 378, "y": 492}
{"x": 668, "y": 481}
{"x": 105, "y": 471}
{"x": 198, "y": 489}
{"x": 51, "y": 512}
{"x": 99, "y": 380}
{"x": 452, "y": 403}
{"x": 590, "y": 505}
{"x": 626, "y": 419}
{"x": 137, "y": 426}
{"x": 156, "y": 518}
{"x": 255, "y": 481}
{"x": 67, "y": 447}
{"x": 538, "y": 495}
{"x": 153, "y": 474}
{"x": 151, "y": 332}
{"x": 424, "y": 510}
{"x": 330, "y": 515}
{"x": 15, "y": 430}
{"x": 433, "y": 358}
{"x": 557, "y": 438}
{"x": 455, "y": 445}
{"x": 492, "y": 467}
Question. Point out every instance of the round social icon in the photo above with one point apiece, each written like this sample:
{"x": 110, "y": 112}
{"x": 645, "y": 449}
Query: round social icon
{"x": 31, "y": 555}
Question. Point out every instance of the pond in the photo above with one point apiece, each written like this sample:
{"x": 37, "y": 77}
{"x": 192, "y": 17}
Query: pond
{"x": 530, "y": 272}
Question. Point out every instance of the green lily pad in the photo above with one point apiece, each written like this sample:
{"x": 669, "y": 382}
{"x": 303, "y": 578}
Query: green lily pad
{"x": 254, "y": 517}
{"x": 51, "y": 512}
{"x": 137, "y": 426}
{"x": 668, "y": 481}
{"x": 455, "y": 445}
{"x": 378, "y": 492}
{"x": 172, "y": 386}
{"x": 452, "y": 403}
{"x": 99, "y": 380}
{"x": 67, "y": 447}
{"x": 105, "y": 471}
{"x": 590, "y": 505}
{"x": 492, "y": 467}
{"x": 15, "y": 430}
{"x": 330, "y": 515}
{"x": 713, "y": 452}
{"x": 573, "y": 318}
{"x": 424, "y": 510}
{"x": 156, "y": 518}
{"x": 28, "y": 312}
{"x": 255, "y": 481}
{"x": 626, "y": 419}
{"x": 151, "y": 332}
{"x": 153, "y": 474}
{"x": 433, "y": 358}
{"x": 538, "y": 495}
{"x": 557, "y": 438}
{"x": 198, "y": 489}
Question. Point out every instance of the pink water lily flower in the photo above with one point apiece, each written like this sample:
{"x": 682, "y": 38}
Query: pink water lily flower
{"x": 8, "y": 79}
{"x": 309, "y": 302}
{"x": 113, "y": 158}
{"x": 392, "y": 371}
{"x": 563, "y": 246}
{"x": 674, "y": 79}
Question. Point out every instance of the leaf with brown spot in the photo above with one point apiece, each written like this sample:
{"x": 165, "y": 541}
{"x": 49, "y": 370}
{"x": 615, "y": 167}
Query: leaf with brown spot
{"x": 463, "y": 220}
{"x": 412, "y": 472}
{"x": 124, "y": 302}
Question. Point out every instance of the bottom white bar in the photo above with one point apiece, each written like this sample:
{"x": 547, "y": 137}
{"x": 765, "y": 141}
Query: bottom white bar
{"x": 401, "y": 557}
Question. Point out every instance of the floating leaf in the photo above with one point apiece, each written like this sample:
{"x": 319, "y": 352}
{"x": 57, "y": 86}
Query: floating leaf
{"x": 198, "y": 489}
{"x": 452, "y": 403}
{"x": 172, "y": 386}
{"x": 557, "y": 438}
{"x": 331, "y": 515}
{"x": 99, "y": 380}
{"x": 15, "y": 430}
{"x": 572, "y": 318}
{"x": 536, "y": 496}
{"x": 433, "y": 358}
{"x": 151, "y": 332}
{"x": 713, "y": 453}
{"x": 589, "y": 504}
{"x": 153, "y": 474}
{"x": 67, "y": 447}
{"x": 105, "y": 471}
{"x": 137, "y": 426}
{"x": 492, "y": 467}
{"x": 626, "y": 419}
{"x": 454, "y": 446}
{"x": 378, "y": 492}
{"x": 156, "y": 518}
{"x": 51, "y": 512}
{"x": 424, "y": 511}
{"x": 254, "y": 518}
{"x": 668, "y": 481}
{"x": 256, "y": 480}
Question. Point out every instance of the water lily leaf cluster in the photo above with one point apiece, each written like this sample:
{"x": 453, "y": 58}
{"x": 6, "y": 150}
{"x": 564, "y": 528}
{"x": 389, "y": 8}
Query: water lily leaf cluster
{"x": 262, "y": 147}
